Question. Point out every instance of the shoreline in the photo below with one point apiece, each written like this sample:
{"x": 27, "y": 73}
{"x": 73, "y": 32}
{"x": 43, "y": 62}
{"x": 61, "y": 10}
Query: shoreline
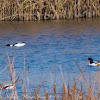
{"x": 26, "y": 10}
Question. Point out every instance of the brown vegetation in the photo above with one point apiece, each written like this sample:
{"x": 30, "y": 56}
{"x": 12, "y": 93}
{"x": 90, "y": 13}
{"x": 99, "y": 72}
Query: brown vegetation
{"x": 76, "y": 92}
{"x": 48, "y": 9}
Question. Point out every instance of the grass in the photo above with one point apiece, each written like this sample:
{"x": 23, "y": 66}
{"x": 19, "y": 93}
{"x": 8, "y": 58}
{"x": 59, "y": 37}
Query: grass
{"x": 75, "y": 92}
{"x": 48, "y": 9}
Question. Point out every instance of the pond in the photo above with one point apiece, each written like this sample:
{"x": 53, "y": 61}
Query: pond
{"x": 51, "y": 46}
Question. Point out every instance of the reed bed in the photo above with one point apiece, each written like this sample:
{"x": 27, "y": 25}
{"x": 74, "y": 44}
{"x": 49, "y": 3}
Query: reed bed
{"x": 48, "y": 9}
{"x": 76, "y": 92}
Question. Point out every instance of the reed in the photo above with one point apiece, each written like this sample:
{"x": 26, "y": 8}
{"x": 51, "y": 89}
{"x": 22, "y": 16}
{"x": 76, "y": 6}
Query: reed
{"x": 75, "y": 92}
{"x": 48, "y": 9}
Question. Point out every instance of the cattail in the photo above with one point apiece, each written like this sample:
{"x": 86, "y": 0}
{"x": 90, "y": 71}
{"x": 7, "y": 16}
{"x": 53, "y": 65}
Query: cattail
{"x": 49, "y": 9}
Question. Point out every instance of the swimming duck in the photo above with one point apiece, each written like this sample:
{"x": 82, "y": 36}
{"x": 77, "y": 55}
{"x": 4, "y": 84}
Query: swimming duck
{"x": 7, "y": 86}
{"x": 17, "y": 44}
{"x": 92, "y": 63}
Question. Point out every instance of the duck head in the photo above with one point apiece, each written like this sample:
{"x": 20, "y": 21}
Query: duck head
{"x": 91, "y": 60}
{"x": 8, "y": 45}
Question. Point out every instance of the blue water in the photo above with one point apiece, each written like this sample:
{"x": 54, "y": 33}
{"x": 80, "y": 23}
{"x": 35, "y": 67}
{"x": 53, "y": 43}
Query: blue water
{"x": 49, "y": 46}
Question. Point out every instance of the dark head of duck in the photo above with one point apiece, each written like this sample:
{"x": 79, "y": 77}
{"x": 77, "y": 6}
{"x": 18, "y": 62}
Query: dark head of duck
{"x": 91, "y": 60}
{"x": 9, "y": 45}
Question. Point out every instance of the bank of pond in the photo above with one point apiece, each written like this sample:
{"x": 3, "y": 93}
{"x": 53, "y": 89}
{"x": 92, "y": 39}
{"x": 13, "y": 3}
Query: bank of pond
{"x": 48, "y": 9}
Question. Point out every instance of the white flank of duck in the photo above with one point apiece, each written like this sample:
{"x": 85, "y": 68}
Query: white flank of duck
{"x": 19, "y": 44}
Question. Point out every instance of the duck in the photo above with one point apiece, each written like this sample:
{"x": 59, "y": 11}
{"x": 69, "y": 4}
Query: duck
{"x": 7, "y": 86}
{"x": 17, "y": 44}
{"x": 93, "y": 63}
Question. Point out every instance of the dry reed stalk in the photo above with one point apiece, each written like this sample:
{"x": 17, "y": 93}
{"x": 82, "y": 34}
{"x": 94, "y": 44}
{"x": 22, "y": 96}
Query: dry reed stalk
{"x": 64, "y": 94}
{"x": 30, "y": 14}
{"x": 3, "y": 69}
{"x": 68, "y": 94}
{"x": 80, "y": 94}
{"x": 80, "y": 70}
{"x": 50, "y": 83}
{"x": 24, "y": 63}
{"x": 71, "y": 96}
{"x": 28, "y": 79}
{"x": 39, "y": 93}
{"x": 13, "y": 78}
{"x": 62, "y": 76}
{"x": 46, "y": 96}
{"x": 10, "y": 65}
{"x": 14, "y": 94}
{"x": 35, "y": 95}
{"x": 66, "y": 91}
{"x": 55, "y": 91}
{"x": 75, "y": 9}
{"x": 74, "y": 90}
{"x": 24, "y": 91}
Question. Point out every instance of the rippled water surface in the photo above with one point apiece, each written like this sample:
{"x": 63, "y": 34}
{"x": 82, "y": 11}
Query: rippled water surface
{"x": 49, "y": 46}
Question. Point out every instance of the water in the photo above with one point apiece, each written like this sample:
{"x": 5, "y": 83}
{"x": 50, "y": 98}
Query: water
{"x": 49, "y": 46}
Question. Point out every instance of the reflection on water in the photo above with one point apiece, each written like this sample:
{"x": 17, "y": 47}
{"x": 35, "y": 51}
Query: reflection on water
{"x": 49, "y": 45}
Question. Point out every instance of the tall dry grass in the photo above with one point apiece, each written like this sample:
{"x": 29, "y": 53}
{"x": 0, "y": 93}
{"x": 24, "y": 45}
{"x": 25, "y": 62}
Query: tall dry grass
{"x": 75, "y": 92}
{"x": 48, "y": 9}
